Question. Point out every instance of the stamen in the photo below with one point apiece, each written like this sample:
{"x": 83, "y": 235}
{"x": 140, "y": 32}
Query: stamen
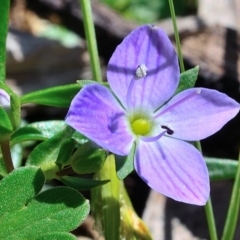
{"x": 141, "y": 71}
{"x": 129, "y": 92}
{"x": 153, "y": 139}
{"x": 169, "y": 131}
{"x": 197, "y": 91}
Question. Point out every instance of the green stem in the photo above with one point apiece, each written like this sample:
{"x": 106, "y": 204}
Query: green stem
{"x": 108, "y": 213}
{"x": 91, "y": 39}
{"x": 4, "y": 12}
{"x": 177, "y": 39}
{"x": 233, "y": 211}
{"x": 6, "y": 153}
{"x": 105, "y": 200}
{"x": 208, "y": 206}
{"x": 210, "y": 220}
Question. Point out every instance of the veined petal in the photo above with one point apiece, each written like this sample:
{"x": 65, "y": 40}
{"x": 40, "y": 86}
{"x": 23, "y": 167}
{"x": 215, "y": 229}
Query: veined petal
{"x": 199, "y": 116}
{"x": 151, "y": 47}
{"x": 95, "y": 113}
{"x": 175, "y": 169}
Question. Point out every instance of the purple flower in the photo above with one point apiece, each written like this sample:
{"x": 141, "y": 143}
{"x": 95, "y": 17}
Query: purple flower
{"x": 143, "y": 74}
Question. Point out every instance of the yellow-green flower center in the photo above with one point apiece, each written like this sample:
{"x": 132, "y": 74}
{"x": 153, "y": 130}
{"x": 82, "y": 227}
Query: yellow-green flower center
{"x": 141, "y": 126}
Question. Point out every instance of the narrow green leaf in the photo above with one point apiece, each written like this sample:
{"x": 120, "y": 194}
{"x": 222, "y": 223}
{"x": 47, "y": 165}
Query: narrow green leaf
{"x": 4, "y": 13}
{"x": 81, "y": 184}
{"x": 88, "y": 158}
{"x": 37, "y": 131}
{"x": 60, "y": 96}
{"x": 83, "y": 83}
{"x": 187, "y": 79}
{"x": 221, "y": 169}
{"x": 124, "y": 164}
{"x": 65, "y": 152}
{"x": 57, "y": 236}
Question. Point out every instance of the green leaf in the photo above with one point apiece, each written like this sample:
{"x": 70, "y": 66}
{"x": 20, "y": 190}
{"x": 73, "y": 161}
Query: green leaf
{"x": 187, "y": 79}
{"x": 65, "y": 152}
{"x": 81, "y": 184}
{"x": 88, "y": 158}
{"x": 5, "y": 125}
{"x": 83, "y": 83}
{"x": 17, "y": 188}
{"x": 46, "y": 153}
{"x": 4, "y": 13}
{"x": 37, "y": 131}
{"x": 79, "y": 138}
{"x": 17, "y": 155}
{"x": 3, "y": 170}
{"x": 57, "y": 236}
{"x": 60, "y": 96}
{"x": 221, "y": 169}
{"x": 26, "y": 214}
{"x": 124, "y": 164}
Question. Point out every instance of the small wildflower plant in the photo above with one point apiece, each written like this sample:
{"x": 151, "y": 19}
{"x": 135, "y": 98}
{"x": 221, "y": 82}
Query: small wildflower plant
{"x": 148, "y": 117}
{"x": 141, "y": 108}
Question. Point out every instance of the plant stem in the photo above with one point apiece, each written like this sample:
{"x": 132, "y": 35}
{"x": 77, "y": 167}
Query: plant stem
{"x": 108, "y": 213}
{"x": 210, "y": 220}
{"x": 177, "y": 39}
{"x": 105, "y": 200}
{"x": 91, "y": 39}
{"x": 4, "y": 12}
{"x": 233, "y": 210}
{"x": 208, "y": 206}
{"x": 5, "y": 147}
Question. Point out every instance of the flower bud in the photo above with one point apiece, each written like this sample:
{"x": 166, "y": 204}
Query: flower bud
{"x": 5, "y": 100}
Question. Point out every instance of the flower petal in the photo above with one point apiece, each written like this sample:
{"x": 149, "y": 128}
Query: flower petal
{"x": 149, "y": 46}
{"x": 200, "y": 116}
{"x": 95, "y": 113}
{"x": 174, "y": 168}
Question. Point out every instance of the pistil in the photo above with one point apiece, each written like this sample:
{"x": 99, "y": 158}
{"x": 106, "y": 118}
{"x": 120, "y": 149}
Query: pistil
{"x": 141, "y": 126}
{"x": 153, "y": 139}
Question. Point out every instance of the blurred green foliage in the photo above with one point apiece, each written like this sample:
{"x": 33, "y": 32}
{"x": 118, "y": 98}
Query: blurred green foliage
{"x": 150, "y": 11}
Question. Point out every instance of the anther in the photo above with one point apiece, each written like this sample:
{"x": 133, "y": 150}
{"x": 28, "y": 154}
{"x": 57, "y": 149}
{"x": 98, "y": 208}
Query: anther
{"x": 169, "y": 131}
{"x": 141, "y": 71}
